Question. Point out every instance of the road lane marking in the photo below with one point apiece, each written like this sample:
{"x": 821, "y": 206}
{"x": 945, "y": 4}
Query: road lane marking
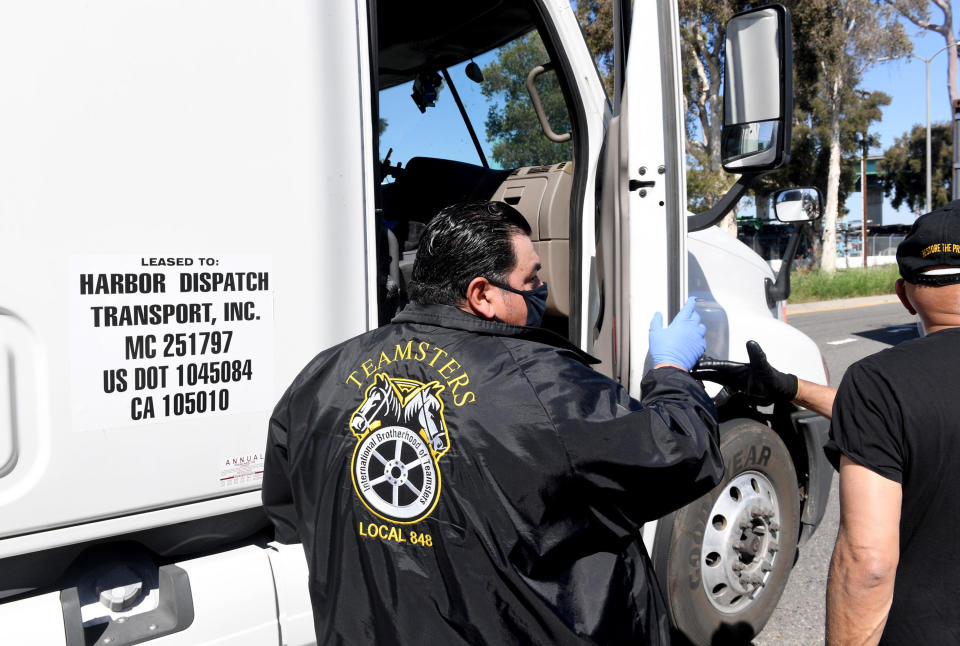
{"x": 841, "y": 341}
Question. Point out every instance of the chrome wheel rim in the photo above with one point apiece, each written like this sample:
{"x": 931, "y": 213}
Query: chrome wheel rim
{"x": 740, "y": 542}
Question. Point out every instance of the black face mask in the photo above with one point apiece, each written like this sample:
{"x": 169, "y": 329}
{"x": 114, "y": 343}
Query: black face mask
{"x": 536, "y": 300}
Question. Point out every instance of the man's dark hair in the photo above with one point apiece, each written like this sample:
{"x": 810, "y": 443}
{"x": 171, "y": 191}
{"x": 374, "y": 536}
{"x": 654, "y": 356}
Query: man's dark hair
{"x": 461, "y": 242}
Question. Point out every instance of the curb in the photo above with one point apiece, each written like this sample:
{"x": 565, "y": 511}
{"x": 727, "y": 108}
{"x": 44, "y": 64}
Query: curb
{"x": 841, "y": 304}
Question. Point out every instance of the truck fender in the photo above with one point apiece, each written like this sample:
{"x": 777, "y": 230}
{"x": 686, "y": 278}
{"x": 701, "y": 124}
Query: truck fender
{"x": 815, "y": 430}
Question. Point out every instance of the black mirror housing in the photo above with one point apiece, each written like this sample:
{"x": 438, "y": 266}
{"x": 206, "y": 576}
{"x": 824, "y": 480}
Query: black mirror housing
{"x": 757, "y": 90}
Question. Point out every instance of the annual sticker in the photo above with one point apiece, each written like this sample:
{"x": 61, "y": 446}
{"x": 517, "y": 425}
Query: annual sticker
{"x": 241, "y": 470}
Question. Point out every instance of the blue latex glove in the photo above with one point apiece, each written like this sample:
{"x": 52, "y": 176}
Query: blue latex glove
{"x": 682, "y": 342}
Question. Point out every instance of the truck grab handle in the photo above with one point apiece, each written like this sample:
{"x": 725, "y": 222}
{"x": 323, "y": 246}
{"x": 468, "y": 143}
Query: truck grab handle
{"x": 538, "y": 107}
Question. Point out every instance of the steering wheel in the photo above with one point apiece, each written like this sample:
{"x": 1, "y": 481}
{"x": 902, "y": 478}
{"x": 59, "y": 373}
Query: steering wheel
{"x": 386, "y": 170}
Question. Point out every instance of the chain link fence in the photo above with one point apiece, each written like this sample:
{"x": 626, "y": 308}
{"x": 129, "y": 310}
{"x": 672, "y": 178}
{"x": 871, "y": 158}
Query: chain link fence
{"x": 769, "y": 240}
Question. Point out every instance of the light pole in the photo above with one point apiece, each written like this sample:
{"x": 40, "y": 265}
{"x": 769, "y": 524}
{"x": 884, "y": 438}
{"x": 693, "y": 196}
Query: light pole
{"x": 865, "y": 143}
{"x": 929, "y": 159}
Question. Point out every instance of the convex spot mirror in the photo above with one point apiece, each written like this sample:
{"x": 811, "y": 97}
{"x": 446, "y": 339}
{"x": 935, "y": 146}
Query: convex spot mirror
{"x": 798, "y": 204}
{"x": 757, "y": 90}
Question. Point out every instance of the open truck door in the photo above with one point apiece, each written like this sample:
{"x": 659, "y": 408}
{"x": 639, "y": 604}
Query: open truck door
{"x": 641, "y": 220}
{"x": 716, "y": 588}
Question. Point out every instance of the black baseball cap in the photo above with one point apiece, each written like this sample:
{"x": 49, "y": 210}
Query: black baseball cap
{"x": 933, "y": 241}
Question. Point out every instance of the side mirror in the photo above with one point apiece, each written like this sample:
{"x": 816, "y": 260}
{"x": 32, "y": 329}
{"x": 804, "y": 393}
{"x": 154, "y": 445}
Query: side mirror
{"x": 798, "y": 204}
{"x": 757, "y": 90}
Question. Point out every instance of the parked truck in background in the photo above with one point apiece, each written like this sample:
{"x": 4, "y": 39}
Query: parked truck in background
{"x": 192, "y": 205}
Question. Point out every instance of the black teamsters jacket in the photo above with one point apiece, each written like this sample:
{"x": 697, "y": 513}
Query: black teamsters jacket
{"x": 461, "y": 481}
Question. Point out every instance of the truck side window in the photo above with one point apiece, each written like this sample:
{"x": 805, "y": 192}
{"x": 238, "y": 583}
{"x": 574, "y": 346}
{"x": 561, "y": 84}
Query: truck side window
{"x": 428, "y": 158}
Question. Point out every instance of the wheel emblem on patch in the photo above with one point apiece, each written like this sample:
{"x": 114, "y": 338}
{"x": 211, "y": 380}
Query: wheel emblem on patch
{"x": 401, "y": 435}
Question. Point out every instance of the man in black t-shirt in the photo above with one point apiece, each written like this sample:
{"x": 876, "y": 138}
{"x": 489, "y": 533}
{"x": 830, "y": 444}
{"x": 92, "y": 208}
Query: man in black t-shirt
{"x": 895, "y": 437}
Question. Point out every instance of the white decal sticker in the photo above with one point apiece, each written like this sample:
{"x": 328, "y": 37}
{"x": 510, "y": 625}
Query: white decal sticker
{"x": 168, "y": 338}
{"x": 244, "y": 470}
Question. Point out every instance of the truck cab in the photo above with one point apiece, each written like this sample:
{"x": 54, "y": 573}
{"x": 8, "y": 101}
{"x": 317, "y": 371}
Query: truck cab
{"x": 199, "y": 198}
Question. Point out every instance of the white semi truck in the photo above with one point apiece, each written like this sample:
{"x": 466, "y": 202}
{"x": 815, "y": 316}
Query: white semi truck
{"x": 191, "y": 207}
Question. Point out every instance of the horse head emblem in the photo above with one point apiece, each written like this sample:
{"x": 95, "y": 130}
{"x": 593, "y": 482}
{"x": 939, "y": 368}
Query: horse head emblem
{"x": 403, "y": 402}
{"x": 380, "y": 406}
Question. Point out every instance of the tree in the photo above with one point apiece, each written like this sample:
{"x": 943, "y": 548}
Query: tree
{"x": 596, "y": 21}
{"x": 512, "y": 123}
{"x": 851, "y": 35}
{"x": 702, "y": 24}
{"x": 903, "y": 169}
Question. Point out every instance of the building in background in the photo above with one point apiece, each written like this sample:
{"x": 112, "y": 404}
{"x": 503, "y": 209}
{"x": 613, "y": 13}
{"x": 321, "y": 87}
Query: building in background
{"x": 874, "y": 192}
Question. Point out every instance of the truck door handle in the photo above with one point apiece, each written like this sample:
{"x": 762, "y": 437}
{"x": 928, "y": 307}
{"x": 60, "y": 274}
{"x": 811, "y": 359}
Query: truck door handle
{"x": 634, "y": 184}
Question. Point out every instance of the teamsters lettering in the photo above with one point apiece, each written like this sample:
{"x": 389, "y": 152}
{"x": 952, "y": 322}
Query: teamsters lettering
{"x": 437, "y": 358}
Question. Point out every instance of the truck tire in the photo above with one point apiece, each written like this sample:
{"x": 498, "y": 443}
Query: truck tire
{"x": 729, "y": 553}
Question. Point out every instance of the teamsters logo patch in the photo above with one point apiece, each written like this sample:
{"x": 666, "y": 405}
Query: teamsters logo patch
{"x": 401, "y": 435}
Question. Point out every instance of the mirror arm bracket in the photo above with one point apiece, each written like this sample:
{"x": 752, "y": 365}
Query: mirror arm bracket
{"x": 726, "y": 203}
{"x": 780, "y": 290}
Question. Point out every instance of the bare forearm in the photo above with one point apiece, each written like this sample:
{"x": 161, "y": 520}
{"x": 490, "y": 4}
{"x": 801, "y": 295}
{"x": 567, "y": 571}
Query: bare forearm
{"x": 858, "y": 599}
{"x": 815, "y": 397}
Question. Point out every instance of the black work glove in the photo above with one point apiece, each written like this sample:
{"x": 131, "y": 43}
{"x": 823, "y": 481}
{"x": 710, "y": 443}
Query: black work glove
{"x": 758, "y": 380}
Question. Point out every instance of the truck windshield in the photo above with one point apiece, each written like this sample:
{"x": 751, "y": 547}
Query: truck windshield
{"x": 440, "y": 131}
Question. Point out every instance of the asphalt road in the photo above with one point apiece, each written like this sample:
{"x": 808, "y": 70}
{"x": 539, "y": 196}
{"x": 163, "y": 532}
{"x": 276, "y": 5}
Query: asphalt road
{"x": 844, "y": 336}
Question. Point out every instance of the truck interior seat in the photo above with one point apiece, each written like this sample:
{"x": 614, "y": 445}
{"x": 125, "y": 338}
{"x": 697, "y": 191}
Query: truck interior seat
{"x": 540, "y": 193}
{"x": 427, "y": 184}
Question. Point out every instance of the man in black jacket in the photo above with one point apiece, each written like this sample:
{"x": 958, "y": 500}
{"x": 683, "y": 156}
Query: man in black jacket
{"x": 460, "y": 476}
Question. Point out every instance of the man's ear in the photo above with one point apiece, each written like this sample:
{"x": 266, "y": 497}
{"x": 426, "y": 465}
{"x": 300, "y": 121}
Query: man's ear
{"x": 902, "y": 295}
{"x": 479, "y": 293}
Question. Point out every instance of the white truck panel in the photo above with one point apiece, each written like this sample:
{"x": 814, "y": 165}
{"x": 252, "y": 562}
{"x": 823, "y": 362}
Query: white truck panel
{"x": 293, "y": 596}
{"x": 135, "y": 129}
{"x": 734, "y": 277}
{"x": 35, "y": 620}
{"x": 233, "y": 597}
{"x": 646, "y": 112}
{"x": 234, "y": 601}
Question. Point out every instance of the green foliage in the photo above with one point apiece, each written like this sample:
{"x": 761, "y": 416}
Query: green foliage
{"x": 903, "y": 170}
{"x": 704, "y": 186}
{"x": 810, "y": 153}
{"x": 512, "y": 123}
{"x": 702, "y": 24}
{"x": 818, "y": 285}
{"x": 596, "y": 21}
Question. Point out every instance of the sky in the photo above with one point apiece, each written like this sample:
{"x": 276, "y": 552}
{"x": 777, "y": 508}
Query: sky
{"x": 408, "y": 130}
{"x": 904, "y": 81}
{"x": 410, "y": 133}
